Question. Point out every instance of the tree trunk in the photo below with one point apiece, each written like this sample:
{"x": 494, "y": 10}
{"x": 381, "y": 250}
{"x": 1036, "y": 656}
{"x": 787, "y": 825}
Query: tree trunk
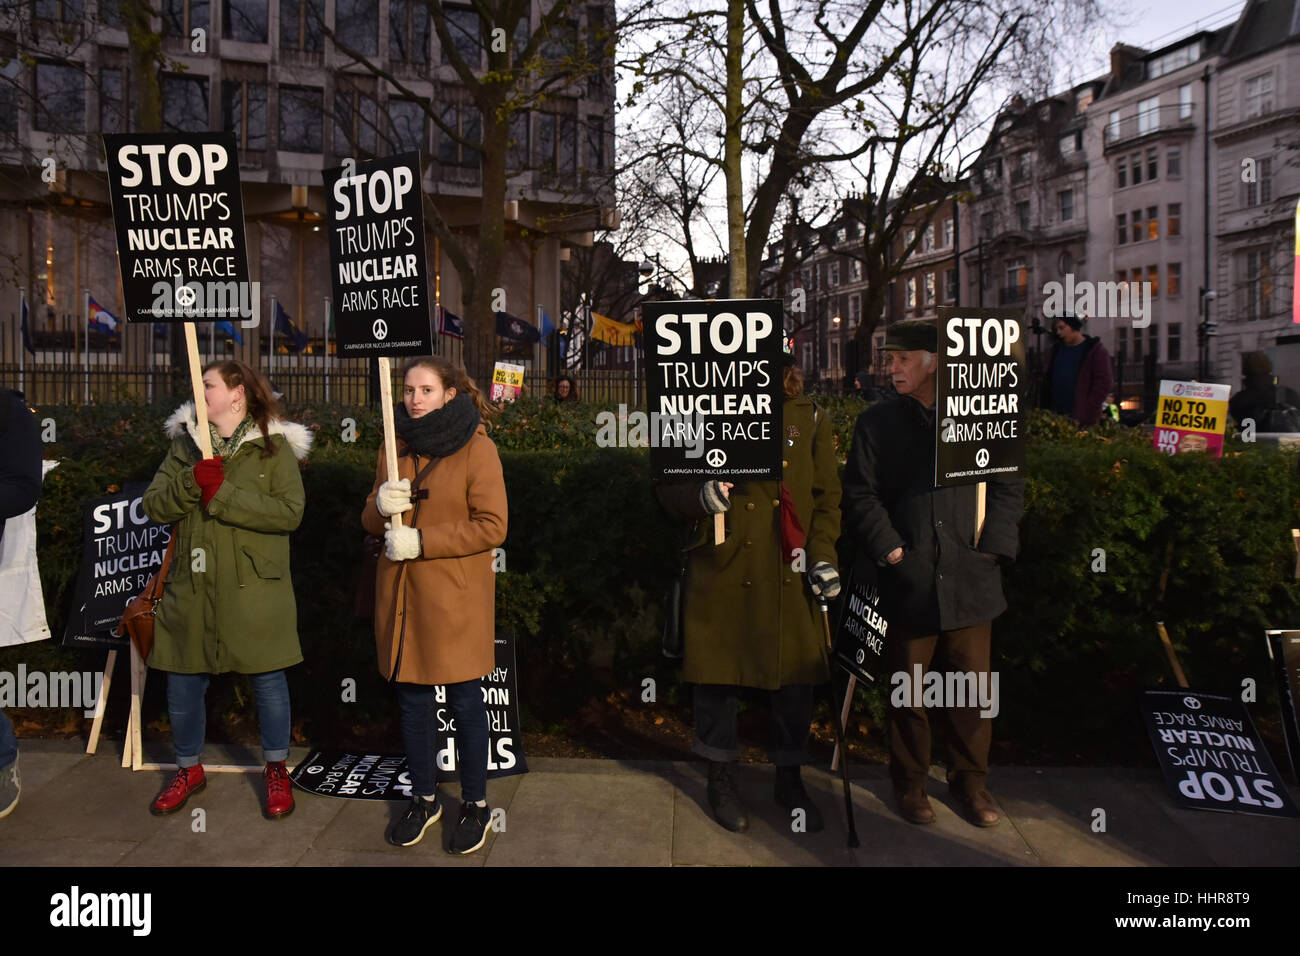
{"x": 739, "y": 267}
{"x": 480, "y": 289}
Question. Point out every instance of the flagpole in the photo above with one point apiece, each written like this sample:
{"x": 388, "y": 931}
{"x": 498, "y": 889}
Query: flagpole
{"x": 327, "y": 351}
{"x": 22, "y": 342}
{"x": 270, "y": 351}
{"x": 85, "y": 322}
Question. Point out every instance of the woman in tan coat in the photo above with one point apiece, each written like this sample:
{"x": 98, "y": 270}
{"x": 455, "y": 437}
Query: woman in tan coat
{"x": 435, "y": 588}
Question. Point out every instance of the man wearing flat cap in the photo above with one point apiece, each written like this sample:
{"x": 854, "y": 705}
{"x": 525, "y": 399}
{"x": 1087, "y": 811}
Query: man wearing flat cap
{"x": 939, "y": 592}
{"x": 1078, "y": 376}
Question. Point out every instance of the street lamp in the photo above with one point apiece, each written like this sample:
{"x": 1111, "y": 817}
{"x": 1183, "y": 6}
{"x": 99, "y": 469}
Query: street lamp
{"x": 1206, "y": 331}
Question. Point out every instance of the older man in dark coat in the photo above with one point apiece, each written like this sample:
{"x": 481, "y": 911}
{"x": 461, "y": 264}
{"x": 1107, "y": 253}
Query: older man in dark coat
{"x": 940, "y": 593}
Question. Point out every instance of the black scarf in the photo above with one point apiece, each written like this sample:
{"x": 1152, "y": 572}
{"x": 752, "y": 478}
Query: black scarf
{"x": 441, "y": 432}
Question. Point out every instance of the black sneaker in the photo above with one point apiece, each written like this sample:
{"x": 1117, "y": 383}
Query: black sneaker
{"x": 471, "y": 830}
{"x": 419, "y": 816}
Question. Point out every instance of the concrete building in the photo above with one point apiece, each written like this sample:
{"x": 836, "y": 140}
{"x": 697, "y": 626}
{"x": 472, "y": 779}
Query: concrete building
{"x": 268, "y": 71}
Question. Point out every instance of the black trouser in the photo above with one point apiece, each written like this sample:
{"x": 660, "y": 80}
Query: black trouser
{"x": 716, "y": 707}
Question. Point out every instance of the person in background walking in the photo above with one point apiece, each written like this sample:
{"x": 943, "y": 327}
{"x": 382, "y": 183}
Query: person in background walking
{"x": 228, "y": 603}
{"x": 1078, "y": 376}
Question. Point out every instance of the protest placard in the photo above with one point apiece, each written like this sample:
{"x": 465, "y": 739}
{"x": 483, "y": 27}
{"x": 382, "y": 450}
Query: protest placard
{"x": 507, "y": 382}
{"x": 1191, "y": 416}
{"x": 1284, "y": 652}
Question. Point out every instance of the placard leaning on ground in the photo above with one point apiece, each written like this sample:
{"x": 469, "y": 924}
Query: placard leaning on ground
{"x": 756, "y": 451}
{"x": 911, "y": 510}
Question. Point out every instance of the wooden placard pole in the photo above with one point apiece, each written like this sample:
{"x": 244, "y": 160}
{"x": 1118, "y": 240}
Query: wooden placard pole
{"x": 981, "y": 501}
{"x": 1295, "y": 540}
{"x": 1169, "y": 651}
{"x": 98, "y": 722}
{"x": 390, "y": 430}
{"x": 196, "y": 383}
{"x": 719, "y": 529}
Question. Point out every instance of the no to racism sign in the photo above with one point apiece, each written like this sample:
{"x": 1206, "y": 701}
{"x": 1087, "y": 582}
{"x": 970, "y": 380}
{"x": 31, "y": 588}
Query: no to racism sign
{"x": 121, "y": 548}
{"x": 179, "y": 219}
{"x": 1210, "y": 754}
{"x": 1191, "y": 416}
{"x": 714, "y": 380}
{"x": 979, "y": 387}
{"x": 378, "y": 268}
{"x": 507, "y": 382}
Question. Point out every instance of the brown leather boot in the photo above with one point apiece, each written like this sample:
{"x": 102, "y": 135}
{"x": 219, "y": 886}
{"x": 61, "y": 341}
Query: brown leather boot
{"x": 914, "y": 806}
{"x": 978, "y": 808}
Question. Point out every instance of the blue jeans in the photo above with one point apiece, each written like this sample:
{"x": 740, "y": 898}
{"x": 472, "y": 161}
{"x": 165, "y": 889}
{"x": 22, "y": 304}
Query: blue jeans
{"x": 188, "y": 713}
{"x": 8, "y": 742}
{"x": 417, "y": 705}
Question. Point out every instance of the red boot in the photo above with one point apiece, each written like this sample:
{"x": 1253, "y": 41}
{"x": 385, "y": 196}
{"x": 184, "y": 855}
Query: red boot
{"x": 279, "y": 791}
{"x": 187, "y": 782}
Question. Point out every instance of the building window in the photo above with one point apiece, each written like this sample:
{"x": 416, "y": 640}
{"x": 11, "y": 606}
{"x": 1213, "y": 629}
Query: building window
{"x": 855, "y": 311}
{"x": 407, "y": 130}
{"x": 855, "y": 270}
{"x": 356, "y": 24}
{"x": 1017, "y": 276}
{"x": 409, "y": 31}
{"x": 1174, "y": 219}
{"x": 910, "y": 301}
{"x": 1175, "y": 60}
{"x": 1121, "y": 173}
{"x": 462, "y": 119}
{"x": 1257, "y": 284}
{"x": 1135, "y": 165}
{"x": 909, "y": 237}
{"x": 1121, "y": 344}
{"x": 242, "y": 20}
{"x": 518, "y": 147}
{"x": 1153, "y": 281}
{"x": 1153, "y": 222}
{"x": 950, "y": 285}
{"x": 1066, "y": 144}
{"x": 179, "y": 17}
{"x": 67, "y": 11}
{"x": 1185, "y": 101}
{"x": 356, "y": 123}
{"x": 300, "y": 119}
{"x": 1121, "y": 223}
{"x": 300, "y": 25}
{"x": 833, "y": 275}
{"x": 60, "y": 105}
{"x": 927, "y": 238}
{"x": 561, "y": 42}
{"x": 112, "y": 108}
{"x": 1174, "y": 279}
{"x": 1148, "y": 115}
{"x": 1173, "y": 342}
{"x": 462, "y": 25}
{"x": 929, "y": 289}
{"x": 1065, "y": 202}
{"x": 596, "y": 144}
{"x": 1259, "y": 95}
{"x": 185, "y": 104}
{"x": 1153, "y": 164}
{"x": 1261, "y": 190}
{"x": 243, "y": 112}
{"x": 1082, "y": 100}
{"x": 835, "y": 353}
{"x": 1112, "y": 124}
{"x": 949, "y": 230}
{"x": 1137, "y": 344}
{"x": 1138, "y": 231}
{"x": 1022, "y": 215}
{"x": 807, "y": 356}
{"x": 1174, "y": 162}
{"x": 986, "y": 225}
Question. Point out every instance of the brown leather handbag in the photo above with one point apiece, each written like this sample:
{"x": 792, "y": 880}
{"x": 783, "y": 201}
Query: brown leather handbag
{"x": 137, "y": 620}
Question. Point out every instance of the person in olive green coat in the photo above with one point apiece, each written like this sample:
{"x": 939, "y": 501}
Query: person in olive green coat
{"x": 228, "y": 603}
{"x": 750, "y": 618}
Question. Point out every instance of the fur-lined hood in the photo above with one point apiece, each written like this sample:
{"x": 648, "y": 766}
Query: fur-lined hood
{"x": 298, "y": 436}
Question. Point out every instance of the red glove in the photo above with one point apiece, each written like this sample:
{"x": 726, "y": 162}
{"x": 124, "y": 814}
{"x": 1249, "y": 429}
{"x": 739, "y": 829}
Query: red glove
{"x": 209, "y": 473}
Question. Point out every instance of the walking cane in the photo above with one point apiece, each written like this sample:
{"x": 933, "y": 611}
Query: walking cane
{"x": 837, "y": 724}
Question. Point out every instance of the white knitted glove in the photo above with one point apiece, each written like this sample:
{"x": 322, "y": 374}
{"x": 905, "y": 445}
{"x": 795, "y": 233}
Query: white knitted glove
{"x": 394, "y": 497}
{"x": 402, "y": 543}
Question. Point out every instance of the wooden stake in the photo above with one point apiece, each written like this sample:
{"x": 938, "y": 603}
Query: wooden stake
{"x": 196, "y": 383}
{"x": 109, "y": 665}
{"x": 1173, "y": 658}
{"x": 1295, "y": 540}
{"x": 844, "y": 718}
{"x": 142, "y": 672}
{"x": 390, "y": 430}
{"x": 128, "y": 747}
{"x": 207, "y": 768}
{"x": 719, "y": 529}
{"x": 981, "y": 500}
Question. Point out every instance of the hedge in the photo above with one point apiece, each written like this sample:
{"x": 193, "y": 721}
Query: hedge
{"x": 589, "y": 556}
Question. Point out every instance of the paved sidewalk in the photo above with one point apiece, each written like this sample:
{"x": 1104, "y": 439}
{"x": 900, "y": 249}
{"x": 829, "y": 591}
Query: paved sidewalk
{"x": 87, "y": 811}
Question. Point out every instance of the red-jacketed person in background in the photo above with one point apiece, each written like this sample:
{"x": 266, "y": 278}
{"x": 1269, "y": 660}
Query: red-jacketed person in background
{"x": 228, "y": 603}
{"x": 435, "y": 588}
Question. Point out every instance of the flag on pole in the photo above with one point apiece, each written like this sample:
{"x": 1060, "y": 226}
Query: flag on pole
{"x": 229, "y": 331}
{"x": 295, "y": 338}
{"x": 545, "y": 323}
{"x": 449, "y": 323}
{"x": 101, "y": 320}
{"x": 27, "y": 337}
{"x": 604, "y": 329}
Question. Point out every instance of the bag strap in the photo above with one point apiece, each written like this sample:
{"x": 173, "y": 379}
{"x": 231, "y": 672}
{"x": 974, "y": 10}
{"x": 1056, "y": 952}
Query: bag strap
{"x": 158, "y": 579}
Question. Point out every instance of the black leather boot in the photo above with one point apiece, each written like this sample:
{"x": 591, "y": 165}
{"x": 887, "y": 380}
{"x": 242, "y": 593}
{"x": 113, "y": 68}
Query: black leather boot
{"x": 790, "y": 793}
{"x": 724, "y": 798}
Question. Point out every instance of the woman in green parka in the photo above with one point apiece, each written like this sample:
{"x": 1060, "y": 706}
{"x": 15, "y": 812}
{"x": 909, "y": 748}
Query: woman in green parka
{"x": 228, "y": 602}
{"x": 750, "y": 619}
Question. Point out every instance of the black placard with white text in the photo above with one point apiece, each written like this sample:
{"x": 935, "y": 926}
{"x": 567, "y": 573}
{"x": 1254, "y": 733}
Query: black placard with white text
{"x": 980, "y": 387}
{"x": 121, "y": 548}
{"x": 1210, "y": 754}
{"x": 862, "y": 631}
{"x": 378, "y": 268}
{"x": 714, "y": 382}
{"x": 358, "y": 775}
{"x": 1284, "y": 652}
{"x": 179, "y": 217}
